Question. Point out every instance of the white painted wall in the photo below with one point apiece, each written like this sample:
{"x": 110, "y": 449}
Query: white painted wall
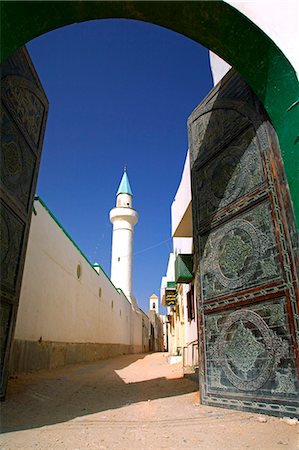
{"x": 181, "y": 208}
{"x": 218, "y": 67}
{"x": 57, "y": 306}
{"x": 165, "y": 331}
{"x": 191, "y": 357}
{"x": 162, "y": 290}
{"x": 124, "y": 200}
{"x": 170, "y": 274}
{"x": 279, "y": 19}
{"x": 182, "y": 245}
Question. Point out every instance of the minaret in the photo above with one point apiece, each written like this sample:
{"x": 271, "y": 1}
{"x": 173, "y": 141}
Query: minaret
{"x": 154, "y": 303}
{"x": 123, "y": 218}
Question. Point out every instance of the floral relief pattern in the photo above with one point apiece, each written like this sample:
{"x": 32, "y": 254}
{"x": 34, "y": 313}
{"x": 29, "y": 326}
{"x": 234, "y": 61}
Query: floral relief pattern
{"x": 247, "y": 350}
{"x": 244, "y": 349}
{"x": 25, "y": 106}
{"x": 228, "y": 177}
{"x": 240, "y": 254}
{"x": 17, "y": 161}
{"x": 12, "y": 230}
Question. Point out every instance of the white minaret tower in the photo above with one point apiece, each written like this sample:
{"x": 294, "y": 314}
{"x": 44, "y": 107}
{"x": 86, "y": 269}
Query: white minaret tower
{"x": 123, "y": 218}
{"x": 154, "y": 303}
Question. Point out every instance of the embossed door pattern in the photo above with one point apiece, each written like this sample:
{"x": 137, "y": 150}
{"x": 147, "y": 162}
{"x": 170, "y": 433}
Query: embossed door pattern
{"x": 246, "y": 254}
{"x": 24, "y": 109}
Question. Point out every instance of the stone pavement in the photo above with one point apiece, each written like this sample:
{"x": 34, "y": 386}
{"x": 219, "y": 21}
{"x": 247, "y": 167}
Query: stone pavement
{"x": 128, "y": 402}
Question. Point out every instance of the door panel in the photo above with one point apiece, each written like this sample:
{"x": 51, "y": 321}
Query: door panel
{"x": 24, "y": 108}
{"x": 242, "y": 253}
{"x": 18, "y": 163}
{"x": 246, "y": 255}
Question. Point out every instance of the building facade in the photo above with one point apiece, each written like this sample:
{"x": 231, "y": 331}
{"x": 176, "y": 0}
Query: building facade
{"x": 156, "y": 332}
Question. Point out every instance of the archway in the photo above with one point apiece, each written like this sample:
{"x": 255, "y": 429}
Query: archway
{"x": 262, "y": 80}
{"x": 216, "y": 25}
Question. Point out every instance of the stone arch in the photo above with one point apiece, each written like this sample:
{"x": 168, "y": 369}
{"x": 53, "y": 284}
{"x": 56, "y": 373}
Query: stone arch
{"x": 216, "y": 25}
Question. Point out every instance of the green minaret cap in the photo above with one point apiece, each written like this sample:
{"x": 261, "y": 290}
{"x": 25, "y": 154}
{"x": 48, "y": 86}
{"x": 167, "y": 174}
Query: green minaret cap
{"x": 124, "y": 187}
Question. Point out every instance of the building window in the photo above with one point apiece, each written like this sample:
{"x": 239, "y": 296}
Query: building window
{"x": 190, "y": 304}
{"x": 154, "y": 305}
{"x": 100, "y": 292}
{"x": 112, "y": 304}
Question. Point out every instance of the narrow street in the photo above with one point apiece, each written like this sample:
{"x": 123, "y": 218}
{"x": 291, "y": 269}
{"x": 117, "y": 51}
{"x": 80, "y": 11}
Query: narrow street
{"x": 128, "y": 402}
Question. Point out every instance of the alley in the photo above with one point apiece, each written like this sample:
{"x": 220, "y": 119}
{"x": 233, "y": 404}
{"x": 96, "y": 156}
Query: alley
{"x": 128, "y": 402}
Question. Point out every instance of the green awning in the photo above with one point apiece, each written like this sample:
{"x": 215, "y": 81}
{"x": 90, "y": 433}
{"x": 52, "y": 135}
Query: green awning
{"x": 184, "y": 268}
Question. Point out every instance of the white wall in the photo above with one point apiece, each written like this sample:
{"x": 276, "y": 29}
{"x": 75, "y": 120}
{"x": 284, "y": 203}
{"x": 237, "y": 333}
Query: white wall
{"x": 190, "y": 327}
{"x": 182, "y": 245}
{"x": 57, "y": 306}
{"x": 170, "y": 273}
{"x": 218, "y": 67}
{"x": 181, "y": 208}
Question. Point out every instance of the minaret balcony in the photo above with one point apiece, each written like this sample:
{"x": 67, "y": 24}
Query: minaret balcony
{"x": 124, "y": 214}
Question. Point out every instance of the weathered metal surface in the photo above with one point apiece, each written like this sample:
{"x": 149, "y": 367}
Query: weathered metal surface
{"x": 246, "y": 255}
{"x": 24, "y": 109}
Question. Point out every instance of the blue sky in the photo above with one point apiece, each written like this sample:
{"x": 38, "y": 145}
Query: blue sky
{"x": 120, "y": 92}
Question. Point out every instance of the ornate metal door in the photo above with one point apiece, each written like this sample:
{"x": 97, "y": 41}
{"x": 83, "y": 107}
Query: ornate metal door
{"x": 24, "y": 109}
{"x": 246, "y": 254}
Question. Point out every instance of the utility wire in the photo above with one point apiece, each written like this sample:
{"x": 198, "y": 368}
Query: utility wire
{"x": 148, "y": 248}
{"x": 152, "y": 246}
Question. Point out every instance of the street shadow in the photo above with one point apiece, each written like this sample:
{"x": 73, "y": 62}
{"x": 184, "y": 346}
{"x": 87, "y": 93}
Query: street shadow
{"x": 51, "y": 397}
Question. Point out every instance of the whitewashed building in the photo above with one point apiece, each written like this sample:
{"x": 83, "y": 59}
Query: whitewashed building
{"x": 182, "y": 317}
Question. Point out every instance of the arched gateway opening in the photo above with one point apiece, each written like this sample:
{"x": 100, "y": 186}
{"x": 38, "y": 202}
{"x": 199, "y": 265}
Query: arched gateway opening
{"x": 261, "y": 64}
{"x": 215, "y": 25}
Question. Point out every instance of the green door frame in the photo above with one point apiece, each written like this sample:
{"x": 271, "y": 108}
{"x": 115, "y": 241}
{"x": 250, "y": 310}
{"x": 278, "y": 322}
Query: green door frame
{"x": 214, "y": 24}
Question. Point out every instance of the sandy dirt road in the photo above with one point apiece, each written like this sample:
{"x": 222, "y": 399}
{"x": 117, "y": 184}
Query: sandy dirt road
{"x": 128, "y": 402}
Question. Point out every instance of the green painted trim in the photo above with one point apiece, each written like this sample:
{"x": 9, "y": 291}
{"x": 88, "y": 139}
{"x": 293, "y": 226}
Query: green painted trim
{"x": 37, "y": 198}
{"x": 120, "y": 291}
{"x": 236, "y": 39}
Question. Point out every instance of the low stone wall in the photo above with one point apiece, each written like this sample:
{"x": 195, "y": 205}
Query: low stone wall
{"x": 28, "y": 356}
